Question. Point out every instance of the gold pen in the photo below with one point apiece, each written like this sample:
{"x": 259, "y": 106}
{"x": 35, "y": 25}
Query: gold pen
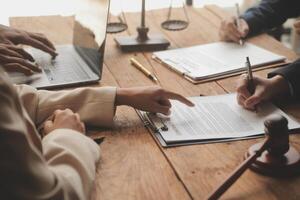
{"x": 238, "y": 24}
{"x": 145, "y": 71}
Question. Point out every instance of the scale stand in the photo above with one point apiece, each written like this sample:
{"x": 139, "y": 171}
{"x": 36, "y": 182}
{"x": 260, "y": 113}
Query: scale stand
{"x": 142, "y": 42}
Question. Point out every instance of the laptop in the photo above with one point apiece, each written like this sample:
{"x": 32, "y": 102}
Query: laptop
{"x": 74, "y": 65}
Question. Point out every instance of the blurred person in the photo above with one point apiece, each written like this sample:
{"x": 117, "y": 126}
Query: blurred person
{"x": 59, "y": 161}
{"x": 282, "y": 83}
{"x": 267, "y": 15}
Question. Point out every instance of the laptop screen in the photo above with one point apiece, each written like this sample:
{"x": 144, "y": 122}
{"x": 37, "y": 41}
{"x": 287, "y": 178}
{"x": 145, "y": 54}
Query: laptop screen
{"x": 73, "y": 26}
{"x": 90, "y": 34}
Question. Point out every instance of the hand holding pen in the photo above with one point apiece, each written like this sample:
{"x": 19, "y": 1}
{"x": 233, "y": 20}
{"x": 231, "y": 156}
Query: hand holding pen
{"x": 250, "y": 85}
{"x": 246, "y": 88}
{"x": 252, "y": 90}
{"x": 238, "y": 22}
{"x": 234, "y": 29}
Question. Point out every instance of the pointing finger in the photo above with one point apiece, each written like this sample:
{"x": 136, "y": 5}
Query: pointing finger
{"x": 182, "y": 99}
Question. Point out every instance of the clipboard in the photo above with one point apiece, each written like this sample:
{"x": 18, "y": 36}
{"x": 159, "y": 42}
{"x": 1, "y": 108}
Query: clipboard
{"x": 194, "y": 81}
{"x": 156, "y": 127}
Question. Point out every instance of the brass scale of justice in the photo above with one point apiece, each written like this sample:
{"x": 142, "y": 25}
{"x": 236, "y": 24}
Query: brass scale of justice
{"x": 143, "y": 41}
{"x": 273, "y": 157}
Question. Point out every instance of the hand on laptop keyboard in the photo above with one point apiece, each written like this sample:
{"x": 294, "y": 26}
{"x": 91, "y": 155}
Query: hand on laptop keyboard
{"x": 9, "y": 35}
{"x": 14, "y": 58}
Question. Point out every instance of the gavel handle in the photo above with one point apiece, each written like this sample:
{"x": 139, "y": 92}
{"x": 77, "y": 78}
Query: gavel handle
{"x": 238, "y": 172}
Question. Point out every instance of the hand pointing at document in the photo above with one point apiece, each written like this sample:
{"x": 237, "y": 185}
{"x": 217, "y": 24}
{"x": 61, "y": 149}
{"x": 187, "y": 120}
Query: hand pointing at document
{"x": 151, "y": 99}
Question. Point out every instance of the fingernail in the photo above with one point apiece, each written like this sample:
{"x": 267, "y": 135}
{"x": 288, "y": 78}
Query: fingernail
{"x": 38, "y": 68}
{"x": 54, "y": 55}
{"x": 31, "y": 59}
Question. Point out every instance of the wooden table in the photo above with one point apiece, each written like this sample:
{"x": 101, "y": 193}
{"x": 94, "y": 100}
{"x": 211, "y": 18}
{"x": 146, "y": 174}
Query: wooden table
{"x": 134, "y": 166}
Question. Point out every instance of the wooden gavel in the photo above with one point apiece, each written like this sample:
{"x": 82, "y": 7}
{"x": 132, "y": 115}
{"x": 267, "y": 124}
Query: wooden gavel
{"x": 273, "y": 157}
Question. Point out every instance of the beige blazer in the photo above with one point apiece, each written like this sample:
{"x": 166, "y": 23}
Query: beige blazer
{"x": 61, "y": 165}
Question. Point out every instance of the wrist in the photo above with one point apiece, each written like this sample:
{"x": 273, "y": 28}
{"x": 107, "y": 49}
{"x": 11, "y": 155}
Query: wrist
{"x": 122, "y": 96}
{"x": 280, "y": 86}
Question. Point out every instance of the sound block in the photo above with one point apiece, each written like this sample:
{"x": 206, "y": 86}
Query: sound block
{"x": 133, "y": 43}
{"x": 269, "y": 165}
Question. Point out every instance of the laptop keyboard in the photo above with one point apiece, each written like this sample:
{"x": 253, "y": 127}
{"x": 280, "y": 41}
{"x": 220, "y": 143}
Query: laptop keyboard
{"x": 66, "y": 67}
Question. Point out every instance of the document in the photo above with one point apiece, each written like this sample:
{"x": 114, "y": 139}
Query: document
{"x": 215, "y": 59}
{"x": 213, "y": 118}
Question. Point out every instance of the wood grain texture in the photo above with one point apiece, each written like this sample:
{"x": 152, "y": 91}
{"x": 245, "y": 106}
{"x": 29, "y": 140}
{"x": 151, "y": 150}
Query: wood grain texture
{"x": 133, "y": 166}
{"x": 203, "y": 167}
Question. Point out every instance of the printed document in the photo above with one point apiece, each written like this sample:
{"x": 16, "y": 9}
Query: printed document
{"x": 213, "y": 118}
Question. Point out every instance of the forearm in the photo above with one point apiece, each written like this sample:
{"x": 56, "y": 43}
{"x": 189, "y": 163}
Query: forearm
{"x": 61, "y": 167}
{"x": 124, "y": 96}
{"x": 291, "y": 76}
{"x": 269, "y": 14}
{"x": 280, "y": 88}
{"x": 96, "y": 106}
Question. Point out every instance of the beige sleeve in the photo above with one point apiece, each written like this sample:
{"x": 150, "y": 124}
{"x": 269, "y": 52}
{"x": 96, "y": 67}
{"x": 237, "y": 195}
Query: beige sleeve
{"x": 94, "y": 105}
{"x": 72, "y": 157}
{"x": 65, "y": 170}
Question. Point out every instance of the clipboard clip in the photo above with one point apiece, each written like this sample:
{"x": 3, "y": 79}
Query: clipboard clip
{"x": 157, "y": 124}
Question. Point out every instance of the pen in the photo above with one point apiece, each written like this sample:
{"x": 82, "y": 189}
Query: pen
{"x": 238, "y": 24}
{"x": 251, "y": 87}
{"x": 140, "y": 67}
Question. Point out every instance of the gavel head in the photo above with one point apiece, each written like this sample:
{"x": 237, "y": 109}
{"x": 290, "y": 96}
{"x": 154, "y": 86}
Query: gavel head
{"x": 276, "y": 129}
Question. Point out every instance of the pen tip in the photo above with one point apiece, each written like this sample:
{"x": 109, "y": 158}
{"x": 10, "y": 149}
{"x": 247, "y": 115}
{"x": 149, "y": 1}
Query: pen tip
{"x": 241, "y": 41}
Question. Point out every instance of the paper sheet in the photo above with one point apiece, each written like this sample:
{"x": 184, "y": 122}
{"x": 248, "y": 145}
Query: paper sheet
{"x": 215, "y": 117}
{"x": 215, "y": 59}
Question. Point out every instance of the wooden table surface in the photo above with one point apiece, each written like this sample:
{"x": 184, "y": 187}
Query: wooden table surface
{"x": 133, "y": 165}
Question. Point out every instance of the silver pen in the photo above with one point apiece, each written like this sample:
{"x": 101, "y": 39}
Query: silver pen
{"x": 238, "y": 23}
{"x": 251, "y": 87}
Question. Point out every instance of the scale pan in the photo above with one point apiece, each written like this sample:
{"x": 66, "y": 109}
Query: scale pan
{"x": 174, "y": 25}
{"x": 116, "y": 27}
